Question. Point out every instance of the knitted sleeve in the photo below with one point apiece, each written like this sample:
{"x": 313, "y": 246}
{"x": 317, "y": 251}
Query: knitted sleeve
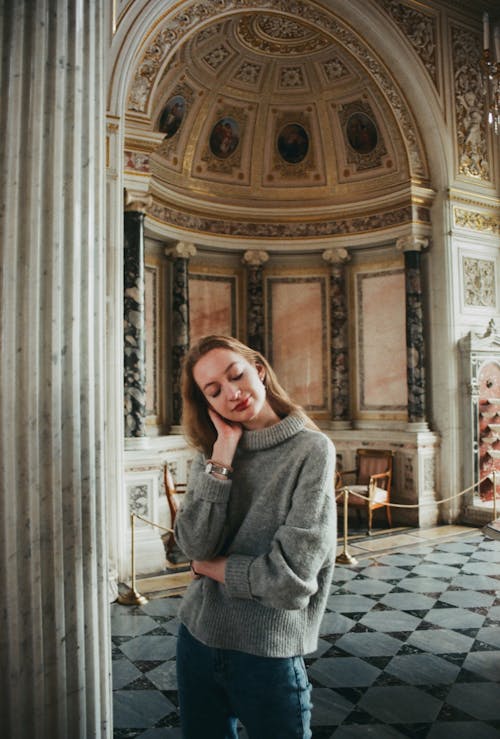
{"x": 287, "y": 575}
{"x": 200, "y": 524}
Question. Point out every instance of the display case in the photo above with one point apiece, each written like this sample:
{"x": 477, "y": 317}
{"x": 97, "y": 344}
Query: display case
{"x": 481, "y": 416}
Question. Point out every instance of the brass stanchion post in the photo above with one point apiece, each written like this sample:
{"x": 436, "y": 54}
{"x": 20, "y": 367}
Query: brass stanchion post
{"x": 344, "y": 557}
{"x": 132, "y": 597}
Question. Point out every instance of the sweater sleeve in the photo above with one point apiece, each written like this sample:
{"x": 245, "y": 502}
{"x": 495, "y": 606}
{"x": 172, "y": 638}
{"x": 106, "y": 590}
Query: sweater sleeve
{"x": 200, "y": 523}
{"x": 287, "y": 575}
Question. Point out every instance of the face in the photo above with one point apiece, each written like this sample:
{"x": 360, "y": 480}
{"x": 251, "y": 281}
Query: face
{"x": 233, "y": 387}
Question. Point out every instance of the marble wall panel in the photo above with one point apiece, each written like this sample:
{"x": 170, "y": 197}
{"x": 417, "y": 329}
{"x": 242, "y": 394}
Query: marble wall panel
{"x": 381, "y": 337}
{"x": 212, "y": 305}
{"x": 297, "y": 322}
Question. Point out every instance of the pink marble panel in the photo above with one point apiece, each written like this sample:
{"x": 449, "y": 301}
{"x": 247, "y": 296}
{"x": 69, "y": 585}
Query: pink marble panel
{"x": 382, "y": 341}
{"x": 297, "y": 338}
{"x": 151, "y": 337}
{"x": 212, "y": 301}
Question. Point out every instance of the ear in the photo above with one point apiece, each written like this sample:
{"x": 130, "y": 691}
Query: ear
{"x": 260, "y": 371}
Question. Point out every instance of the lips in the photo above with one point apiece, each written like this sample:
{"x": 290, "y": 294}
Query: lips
{"x": 243, "y": 405}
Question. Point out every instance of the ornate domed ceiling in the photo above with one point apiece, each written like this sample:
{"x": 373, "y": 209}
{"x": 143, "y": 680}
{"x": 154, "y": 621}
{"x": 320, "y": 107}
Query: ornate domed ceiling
{"x": 262, "y": 121}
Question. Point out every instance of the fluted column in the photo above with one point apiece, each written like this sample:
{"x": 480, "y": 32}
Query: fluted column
{"x": 54, "y": 634}
{"x": 255, "y": 260}
{"x": 415, "y": 343}
{"x": 337, "y": 258}
{"x": 180, "y": 255}
{"x": 134, "y": 360}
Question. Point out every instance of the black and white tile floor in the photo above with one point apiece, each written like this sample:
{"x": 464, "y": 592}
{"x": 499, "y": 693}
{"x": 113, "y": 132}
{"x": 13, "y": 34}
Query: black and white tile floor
{"x": 410, "y": 647}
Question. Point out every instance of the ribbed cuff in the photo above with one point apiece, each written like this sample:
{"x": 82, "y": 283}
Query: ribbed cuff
{"x": 237, "y": 579}
{"x": 214, "y": 490}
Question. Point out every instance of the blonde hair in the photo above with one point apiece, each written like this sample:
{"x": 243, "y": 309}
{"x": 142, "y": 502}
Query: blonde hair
{"x": 196, "y": 422}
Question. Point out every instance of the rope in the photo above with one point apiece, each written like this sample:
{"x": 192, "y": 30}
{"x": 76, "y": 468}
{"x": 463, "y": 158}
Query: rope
{"x": 152, "y": 523}
{"x": 346, "y": 488}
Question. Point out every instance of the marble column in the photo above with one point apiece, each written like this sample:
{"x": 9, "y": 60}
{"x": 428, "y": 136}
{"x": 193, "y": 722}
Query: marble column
{"x": 180, "y": 255}
{"x": 337, "y": 258}
{"x": 134, "y": 359}
{"x": 55, "y": 643}
{"x": 415, "y": 344}
{"x": 254, "y": 261}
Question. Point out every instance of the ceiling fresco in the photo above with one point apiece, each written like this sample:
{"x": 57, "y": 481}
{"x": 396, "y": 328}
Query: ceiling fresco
{"x": 261, "y": 121}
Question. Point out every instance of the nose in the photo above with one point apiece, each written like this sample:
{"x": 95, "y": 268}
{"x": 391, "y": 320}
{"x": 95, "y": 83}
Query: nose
{"x": 233, "y": 392}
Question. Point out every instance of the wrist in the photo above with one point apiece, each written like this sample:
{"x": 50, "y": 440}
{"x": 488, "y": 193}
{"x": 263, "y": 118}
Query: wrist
{"x": 218, "y": 469}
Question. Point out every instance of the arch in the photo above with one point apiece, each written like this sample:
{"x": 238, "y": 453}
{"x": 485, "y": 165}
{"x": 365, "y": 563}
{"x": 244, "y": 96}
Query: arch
{"x": 145, "y": 44}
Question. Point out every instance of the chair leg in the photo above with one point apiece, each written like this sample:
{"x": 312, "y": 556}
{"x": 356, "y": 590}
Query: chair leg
{"x": 370, "y": 518}
{"x": 389, "y": 516}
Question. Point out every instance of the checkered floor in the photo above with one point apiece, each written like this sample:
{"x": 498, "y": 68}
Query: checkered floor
{"x": 410, "y": 647}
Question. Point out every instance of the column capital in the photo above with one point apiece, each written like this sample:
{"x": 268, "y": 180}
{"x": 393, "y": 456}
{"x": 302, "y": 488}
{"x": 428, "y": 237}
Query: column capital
{"x": 182, "y": 250}
{"x": 255, "y": 257}
{"x": 412, "y": 243}
{"x": 133, "y": 200}
{"x": 336, "y": 256}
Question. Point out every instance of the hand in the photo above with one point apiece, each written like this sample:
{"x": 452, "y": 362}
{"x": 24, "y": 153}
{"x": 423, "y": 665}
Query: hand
{"x": 213, "y": 568}
{"x": 228, "y": 437}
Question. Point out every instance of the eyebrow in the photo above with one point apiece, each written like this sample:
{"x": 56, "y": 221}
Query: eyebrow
{"x": 214, "y": 382}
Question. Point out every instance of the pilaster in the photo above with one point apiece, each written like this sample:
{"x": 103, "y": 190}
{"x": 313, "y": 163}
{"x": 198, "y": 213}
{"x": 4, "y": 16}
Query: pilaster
{"x": 337, "y": 259}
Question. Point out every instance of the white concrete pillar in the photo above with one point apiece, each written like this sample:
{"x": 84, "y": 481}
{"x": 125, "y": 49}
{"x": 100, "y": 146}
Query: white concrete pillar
{"x": 55, "y": 644}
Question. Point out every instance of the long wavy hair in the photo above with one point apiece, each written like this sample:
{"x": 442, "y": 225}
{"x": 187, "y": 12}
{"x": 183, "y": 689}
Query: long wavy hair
{"x": 196, "y": 422}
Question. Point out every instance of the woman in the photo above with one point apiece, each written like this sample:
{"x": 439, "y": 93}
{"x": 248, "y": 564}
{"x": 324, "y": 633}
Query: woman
{"x": 259, "y": 525}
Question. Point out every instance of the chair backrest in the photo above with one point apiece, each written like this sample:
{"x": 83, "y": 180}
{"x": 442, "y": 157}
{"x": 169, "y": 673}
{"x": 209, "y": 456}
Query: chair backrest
{"x": 372, "y": 462}
{"x": 174, "y": 492}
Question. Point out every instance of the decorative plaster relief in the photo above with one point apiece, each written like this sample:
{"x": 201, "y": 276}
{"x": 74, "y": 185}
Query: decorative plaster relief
{"x": 419, "y": 30}
{"x": 470, "y": 114}
{"x": 292, "y": 78}
{"x": 479, "y": 282}
{"x": 209, "y": 32}
{"x": 355, "y": 225}
{"x": 279, "y": 35}
{"x": 334, "y": 69}
{"x": 138, "y": 499}
{"x": 216, "y": 57}
{"x": 249, "y": 73}
{"x": 476, "y": 221}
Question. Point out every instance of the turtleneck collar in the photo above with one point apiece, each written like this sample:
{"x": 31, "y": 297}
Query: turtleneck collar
{"x": 272, "y": 435}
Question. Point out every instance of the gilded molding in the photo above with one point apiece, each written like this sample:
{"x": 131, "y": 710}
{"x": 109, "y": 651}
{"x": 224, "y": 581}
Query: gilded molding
{"x": 476, "y": 221}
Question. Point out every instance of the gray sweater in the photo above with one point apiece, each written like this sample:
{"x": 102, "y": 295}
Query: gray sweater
{"x": 276, "y": 522}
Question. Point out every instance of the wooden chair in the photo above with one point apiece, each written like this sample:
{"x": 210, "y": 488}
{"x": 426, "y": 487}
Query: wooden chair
{"x": 176, "y": 559}
{"x": 371, "y": 479}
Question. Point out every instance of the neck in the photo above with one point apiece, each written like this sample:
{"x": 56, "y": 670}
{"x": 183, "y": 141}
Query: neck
{"x": 267, "y": 417}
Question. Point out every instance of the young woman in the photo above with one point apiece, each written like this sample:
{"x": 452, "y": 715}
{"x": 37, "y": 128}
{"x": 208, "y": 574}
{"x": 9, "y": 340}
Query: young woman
{"x": 259, "y": 525}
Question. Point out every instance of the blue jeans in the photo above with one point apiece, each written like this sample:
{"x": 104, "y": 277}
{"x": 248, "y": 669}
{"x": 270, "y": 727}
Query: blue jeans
{"x": 271, "y": 696}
